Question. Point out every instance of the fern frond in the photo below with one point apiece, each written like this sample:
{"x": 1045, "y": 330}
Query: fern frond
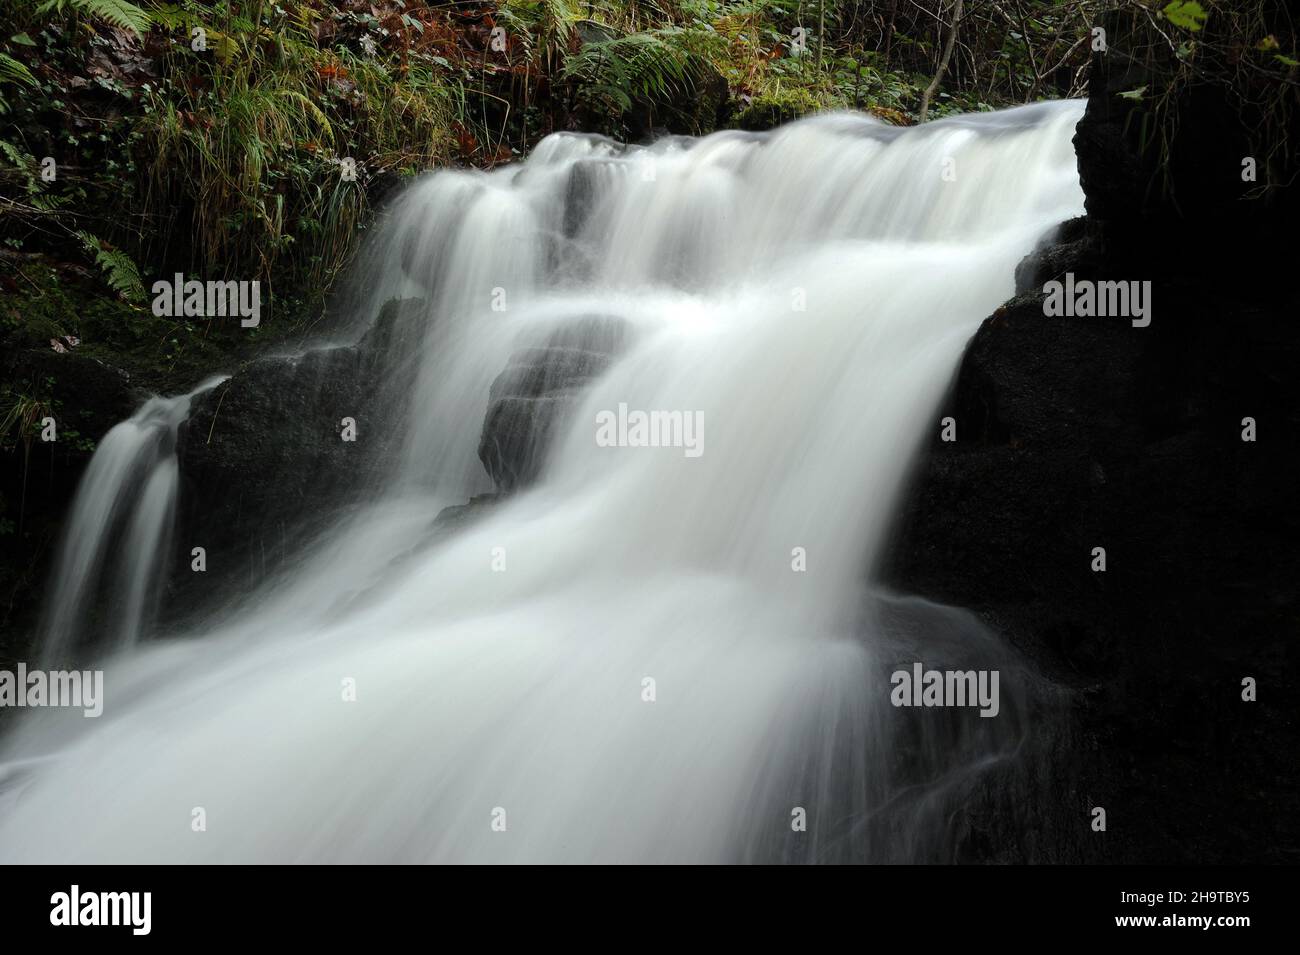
{"x": 561, "y": 15}
{"x": 120, "y": 13}
{"x": 20, "y": 159}
{"x": 11, "y": 71}
{"x": 647, "y": 65}
{"x": 311, "y": 110}
{"x": 119, "y": 271}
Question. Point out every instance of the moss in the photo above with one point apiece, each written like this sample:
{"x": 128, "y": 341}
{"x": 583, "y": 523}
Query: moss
{"x": 770, "y": 109}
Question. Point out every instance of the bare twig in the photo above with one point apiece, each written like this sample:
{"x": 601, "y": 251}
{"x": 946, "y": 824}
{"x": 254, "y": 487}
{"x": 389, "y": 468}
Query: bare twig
{"x": 943, "y": 63}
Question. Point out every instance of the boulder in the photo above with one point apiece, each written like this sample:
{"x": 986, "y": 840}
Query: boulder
{"x": 537, "y": 390}
{"x": 262, "y": 458}
{"x": 1082, "y": 433}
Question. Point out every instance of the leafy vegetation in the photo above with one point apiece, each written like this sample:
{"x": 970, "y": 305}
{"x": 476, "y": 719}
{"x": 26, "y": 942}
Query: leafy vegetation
{"x": 1244, "y": 53}
{"x": 252, "y": 139}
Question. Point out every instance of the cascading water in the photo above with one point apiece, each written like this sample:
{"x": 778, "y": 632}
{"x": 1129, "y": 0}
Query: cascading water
{"x": 112, "y": 557}
{"x": 647, "y": 655}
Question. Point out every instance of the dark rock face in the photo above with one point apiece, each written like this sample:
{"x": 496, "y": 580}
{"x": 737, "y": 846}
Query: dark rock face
{"x": 39, "y": 480}
{"x": 1079, "y": 433}
{"x": 1070, "y": 248}
{"x": 262, "y": 458}
{"x": 536, "y": 391}
{"x": 457, "y": 517}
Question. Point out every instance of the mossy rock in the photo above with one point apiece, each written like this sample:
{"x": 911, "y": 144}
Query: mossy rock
{"x": 769, "y": 110}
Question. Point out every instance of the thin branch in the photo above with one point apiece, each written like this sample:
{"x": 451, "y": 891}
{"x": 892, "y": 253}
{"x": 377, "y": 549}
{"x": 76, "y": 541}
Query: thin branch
{"x": 943, "y": 62}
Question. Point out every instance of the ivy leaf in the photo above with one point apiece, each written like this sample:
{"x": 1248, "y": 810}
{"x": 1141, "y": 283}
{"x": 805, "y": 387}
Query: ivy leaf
{"x": 23, "y": 39}
{"x": 1133, "y": 94}
{"x": 1187, "y": 14}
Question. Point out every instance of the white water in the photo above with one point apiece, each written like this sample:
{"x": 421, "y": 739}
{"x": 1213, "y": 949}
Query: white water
{"x": 117, "y": 536}
{"x": 522, "y": 688}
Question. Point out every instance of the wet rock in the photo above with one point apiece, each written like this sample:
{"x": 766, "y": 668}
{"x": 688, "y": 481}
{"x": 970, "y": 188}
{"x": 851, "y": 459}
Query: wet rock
{"x": 1066, "y": 248}
{"x": 39, "y": 479}
{"x": 1079, "y": 433}
{"x": 537, "y": 390}
{"x": 1084, "y": 433}
{"x": 262, "y": 458}
{"x": 452, "y": 519}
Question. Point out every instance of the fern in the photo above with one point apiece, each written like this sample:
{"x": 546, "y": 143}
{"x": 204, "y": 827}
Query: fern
{"x": 549, "y": 19}
{"x": 310, "y": 111}
{"x": 120, "y": 13}
{"x": 560, "y": 16}
{"x": 652, "y": 65}
{"x": 26, "y": 166}
{"x": 11, "y": 71}
{"x": 17, "y": 157}
{"x": 119, "y": 271}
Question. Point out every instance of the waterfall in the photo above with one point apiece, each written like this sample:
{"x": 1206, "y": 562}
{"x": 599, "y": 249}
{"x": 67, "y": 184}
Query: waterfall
{"x": 646, "y": 654}
{"x": 112, "y": 558}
